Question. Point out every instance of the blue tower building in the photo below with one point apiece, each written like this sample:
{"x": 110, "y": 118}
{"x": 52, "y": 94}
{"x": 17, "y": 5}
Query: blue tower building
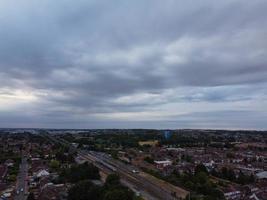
{"x": 167, "y": 134}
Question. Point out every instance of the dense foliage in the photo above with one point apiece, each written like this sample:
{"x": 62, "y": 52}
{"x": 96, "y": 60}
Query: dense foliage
{"x": 149, "y": 159}
{"x": 199, "y": 183}
{"x": 112, "y": 190}
{"x": 85, "y": 190}
{"x": 230, "y": 175}
{"x": 31, "y": 196}
{"x": 80, "y": 172}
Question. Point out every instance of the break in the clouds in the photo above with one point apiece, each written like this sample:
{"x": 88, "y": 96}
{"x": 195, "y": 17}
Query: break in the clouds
{"x": 133, "y": 64}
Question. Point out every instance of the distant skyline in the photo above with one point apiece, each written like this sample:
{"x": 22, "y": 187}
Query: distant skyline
{"x": 133, "y": 64}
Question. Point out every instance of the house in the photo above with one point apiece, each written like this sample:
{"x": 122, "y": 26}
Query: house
{"x": 42, "y": 173}
{"x": 3, "y": 172}
{"x": 148, "y": 143}
{"x": 123, "y": 156}
{"x": 53, "y": 192}
{"x": 75, "y": 145}
{"x": 253, "y": 197}
{"x": 44, "y": 181}
{"x": 163, "y": 163}
{"x": 232, "y": 193}
{"x": 9, "y": 163}
{"x": 176, "y": 149}
{"x": 3, "y": 186}
{"x": 262, "y": 175}
{"x": 37, "y": 165}
{"x": 209, "y": 165}
{"x": 7, "y": 193}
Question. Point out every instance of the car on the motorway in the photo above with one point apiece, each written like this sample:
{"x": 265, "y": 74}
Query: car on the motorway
{"x": 135, "y": 171}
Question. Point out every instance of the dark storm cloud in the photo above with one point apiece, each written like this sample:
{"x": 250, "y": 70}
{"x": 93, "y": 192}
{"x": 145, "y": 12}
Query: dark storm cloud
{"x": 82, "y": 58}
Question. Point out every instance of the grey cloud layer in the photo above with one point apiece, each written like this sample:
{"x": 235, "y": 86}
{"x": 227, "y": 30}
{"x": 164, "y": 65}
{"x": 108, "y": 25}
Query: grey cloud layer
{"x": 83, "y": 58}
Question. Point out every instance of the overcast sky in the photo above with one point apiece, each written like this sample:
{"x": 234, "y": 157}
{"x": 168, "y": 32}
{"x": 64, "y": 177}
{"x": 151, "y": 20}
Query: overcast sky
{"x": 133, "y": 64}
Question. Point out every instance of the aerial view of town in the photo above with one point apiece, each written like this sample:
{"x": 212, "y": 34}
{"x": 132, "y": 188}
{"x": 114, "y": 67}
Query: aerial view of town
{"x": 133, "y": 164}
{"x": 133, "y": 99}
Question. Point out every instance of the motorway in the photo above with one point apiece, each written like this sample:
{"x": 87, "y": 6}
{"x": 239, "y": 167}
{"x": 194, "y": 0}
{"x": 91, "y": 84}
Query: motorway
{"x": 21, "y": 191}
{"x": 127, "y": 178}
{"x": 159, "y": 189}
{"x": 150, "y": 189}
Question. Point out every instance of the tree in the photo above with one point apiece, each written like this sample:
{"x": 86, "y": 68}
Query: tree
{"x": 119, "y": 194}
{"x": 251, "y": 178}
{"x": 81, "y": 172}
{"x": 31, "y": 196}
{"x": 115, "y": 190}
{"x": 201, "y": 177}
{"x": 114, "y": 154}
{"x": 54, "y": 164}
{"x": 245, "y": 179}
{"x": 189, "y": 185}
{"x": 85, "y": 190}
{"x": 230, "y": 155}
{"x": 112, "y": 180}
{"x": 12, "y": 178}
{"x": 149, "y": 159}
{"x": 228, "y": 174}
{"x": 112, "y": 190}
{"x": 216, "y": 194}
{"x": 201, "y": 168}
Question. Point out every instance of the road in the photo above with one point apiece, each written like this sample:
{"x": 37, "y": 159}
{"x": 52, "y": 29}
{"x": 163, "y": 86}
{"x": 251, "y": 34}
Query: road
{"x": 128, "y": 179}
{"x": 150, "y": 189}
{"x": 142, "y": 181}
{"x": 22, "y": 181}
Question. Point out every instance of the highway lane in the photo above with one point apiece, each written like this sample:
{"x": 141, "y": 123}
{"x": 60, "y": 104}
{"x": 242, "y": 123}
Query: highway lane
{"x": 22, "y": 181}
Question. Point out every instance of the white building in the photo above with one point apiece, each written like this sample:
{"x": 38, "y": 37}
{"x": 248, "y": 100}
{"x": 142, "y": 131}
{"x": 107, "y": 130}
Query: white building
{"x": 42, "y": 173}
{"x": 262, "y": 175}
{"x": 163, "y": 163}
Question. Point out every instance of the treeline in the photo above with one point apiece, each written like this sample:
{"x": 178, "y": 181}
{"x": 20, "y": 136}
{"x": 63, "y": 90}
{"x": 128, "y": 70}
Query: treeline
{"x": 111, "y": 190}
{"x": 82, "y": 176}
{"x": 198, "y": 183}
{"x": 78, "y": 173}
{"x": 229, "y": 174}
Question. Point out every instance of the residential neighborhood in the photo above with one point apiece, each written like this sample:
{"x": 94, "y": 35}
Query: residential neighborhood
{"x": 189, "y": 164}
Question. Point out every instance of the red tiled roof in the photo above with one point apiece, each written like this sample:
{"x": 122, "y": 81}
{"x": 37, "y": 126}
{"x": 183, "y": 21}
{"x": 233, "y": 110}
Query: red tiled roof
{"x": 51, "y": 192}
